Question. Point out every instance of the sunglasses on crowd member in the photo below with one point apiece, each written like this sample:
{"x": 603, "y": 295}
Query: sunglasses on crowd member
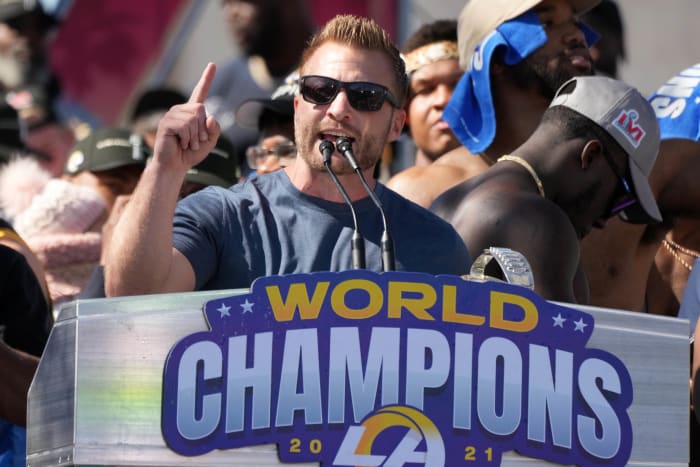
{"x": 362, "y": 95}
{"x": 285, "y": 152}
{"x": 624, "y": 197}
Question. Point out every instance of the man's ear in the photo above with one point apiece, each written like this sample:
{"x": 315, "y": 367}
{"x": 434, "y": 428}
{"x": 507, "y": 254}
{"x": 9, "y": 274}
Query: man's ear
{"x": 591, "y": 150}
{"x": 398, "y": 120}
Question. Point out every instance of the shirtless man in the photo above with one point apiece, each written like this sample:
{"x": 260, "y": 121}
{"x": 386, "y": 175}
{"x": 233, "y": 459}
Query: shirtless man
{"x": 555, "y": 49}
{"x": 432, "y": 64}
{"x": 580, "y": 167}
{"x": 678, "y": 111}
{"x": 618, "y": 258}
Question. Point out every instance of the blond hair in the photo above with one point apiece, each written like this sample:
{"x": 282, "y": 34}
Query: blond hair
{"x": 362, "y": 33}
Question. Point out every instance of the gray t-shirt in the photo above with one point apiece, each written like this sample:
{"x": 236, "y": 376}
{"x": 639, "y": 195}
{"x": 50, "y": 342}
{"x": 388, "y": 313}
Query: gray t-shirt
{"x": 266, "y": 226}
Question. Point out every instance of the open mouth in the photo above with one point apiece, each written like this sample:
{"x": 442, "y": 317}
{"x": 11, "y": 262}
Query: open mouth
{"x": 580, "y": 58}
{"x": 332, "y": 136}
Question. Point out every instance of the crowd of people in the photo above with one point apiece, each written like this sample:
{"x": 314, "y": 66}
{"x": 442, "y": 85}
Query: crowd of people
{"x": 521, "y": 136}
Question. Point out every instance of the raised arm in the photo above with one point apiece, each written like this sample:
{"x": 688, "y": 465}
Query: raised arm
{"x": 140, "y": 258}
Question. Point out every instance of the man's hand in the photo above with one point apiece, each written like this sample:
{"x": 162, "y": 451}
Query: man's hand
{"x": 185, "y": 134}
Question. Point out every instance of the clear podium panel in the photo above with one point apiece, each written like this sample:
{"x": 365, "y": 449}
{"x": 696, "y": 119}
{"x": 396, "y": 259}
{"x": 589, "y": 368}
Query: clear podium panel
{"x": 97, "y": 396}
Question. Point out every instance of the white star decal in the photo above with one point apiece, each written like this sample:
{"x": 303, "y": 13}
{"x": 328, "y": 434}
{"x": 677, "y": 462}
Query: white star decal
{"x": 223, "y": 309}
{"x": 580, "y": 325}
{"x": 558, "y": 321}
{"x": 247, "y": 306}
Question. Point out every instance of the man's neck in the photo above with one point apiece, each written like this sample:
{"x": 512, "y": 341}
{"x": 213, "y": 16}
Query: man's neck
{"x": 518, "y": 112}
{"x": 422, "y": 159}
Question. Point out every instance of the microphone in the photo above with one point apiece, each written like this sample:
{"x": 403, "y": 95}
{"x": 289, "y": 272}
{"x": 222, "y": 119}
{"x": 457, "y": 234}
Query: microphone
{"x": 387, "y": 245}
{"x": 357, "y": 244}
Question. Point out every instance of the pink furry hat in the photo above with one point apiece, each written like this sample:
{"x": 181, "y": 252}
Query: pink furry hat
{"x": 59, "y": 222}
{"x": 20, "y": 180}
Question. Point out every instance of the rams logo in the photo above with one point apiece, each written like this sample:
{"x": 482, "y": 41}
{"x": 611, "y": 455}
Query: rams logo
{"x": 359, "y": 443}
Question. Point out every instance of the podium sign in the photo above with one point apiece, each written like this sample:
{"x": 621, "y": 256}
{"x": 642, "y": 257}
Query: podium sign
{"x": 359, "y": 368}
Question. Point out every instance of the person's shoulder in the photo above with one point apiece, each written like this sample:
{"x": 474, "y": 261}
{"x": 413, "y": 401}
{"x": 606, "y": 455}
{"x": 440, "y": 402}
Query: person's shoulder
{"x": 411, "y": 212}
{"x": 269, "y": 186}
{"x": 412, "y": 184}
{"x": 503, "y": 210}
{"x": 424, "y": 184}
{"x": 678, "y": 149}
{"x": 524, "y": 222}
{"x": 269, "y": 182}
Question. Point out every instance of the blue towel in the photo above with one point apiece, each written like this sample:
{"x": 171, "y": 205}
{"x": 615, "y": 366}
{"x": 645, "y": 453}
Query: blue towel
{"x": 677, "y": 105}
{"x": 470, "y": 111}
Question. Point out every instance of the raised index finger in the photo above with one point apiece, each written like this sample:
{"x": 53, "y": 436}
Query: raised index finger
{"x": 201, "y": 90}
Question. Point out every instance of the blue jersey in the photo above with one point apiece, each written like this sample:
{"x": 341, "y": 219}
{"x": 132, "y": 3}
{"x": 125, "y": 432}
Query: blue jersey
{"x": 677, "y": 105}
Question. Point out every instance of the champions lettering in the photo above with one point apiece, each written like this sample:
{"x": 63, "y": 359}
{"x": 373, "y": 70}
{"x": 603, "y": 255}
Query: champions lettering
{"x": 309, "y": 357}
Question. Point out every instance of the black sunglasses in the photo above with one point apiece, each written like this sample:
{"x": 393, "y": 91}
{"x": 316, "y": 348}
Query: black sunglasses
{"x": 624, "y": 196}
{"x": 362, "y": 95}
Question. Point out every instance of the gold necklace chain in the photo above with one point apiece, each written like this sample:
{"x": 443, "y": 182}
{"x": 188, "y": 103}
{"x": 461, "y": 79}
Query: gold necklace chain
{"x": 526, "y": 165}
{"x": 674, "y": 248}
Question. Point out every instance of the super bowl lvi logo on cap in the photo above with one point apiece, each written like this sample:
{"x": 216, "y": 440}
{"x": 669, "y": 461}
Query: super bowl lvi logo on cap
{"x": 627, "y": 122}
{"x": 75, "y": 162}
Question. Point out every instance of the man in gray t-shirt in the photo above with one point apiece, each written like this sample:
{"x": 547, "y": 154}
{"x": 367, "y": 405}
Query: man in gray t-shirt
{"x": 353, "y": 85}
{"x": 267, "y": 226}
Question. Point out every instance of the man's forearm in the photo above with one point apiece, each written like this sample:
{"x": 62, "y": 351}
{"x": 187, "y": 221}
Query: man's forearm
{"x": 139, "y": 255}
{"x": 140, "y": 258}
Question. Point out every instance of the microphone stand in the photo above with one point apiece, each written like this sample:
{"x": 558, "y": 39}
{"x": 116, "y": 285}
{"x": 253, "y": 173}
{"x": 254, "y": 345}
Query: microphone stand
{"x": 357, "y": 245}
{"x": 387, "y": 245}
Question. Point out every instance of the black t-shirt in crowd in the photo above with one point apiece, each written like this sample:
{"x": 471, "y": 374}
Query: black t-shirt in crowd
{"x": 26, "y": 318}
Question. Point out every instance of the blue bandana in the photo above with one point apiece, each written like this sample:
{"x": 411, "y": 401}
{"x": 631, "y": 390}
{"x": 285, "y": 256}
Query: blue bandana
{"x": 677, "y": 105}
{"x": 470, "y": 111}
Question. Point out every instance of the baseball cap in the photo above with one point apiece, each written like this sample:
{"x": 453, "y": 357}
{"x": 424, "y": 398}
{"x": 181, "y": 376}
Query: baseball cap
{"x": 480, "y": 17}
{"x": 629, "y": 119}
{"x": 156, "y": 100}
{"x": 105, "y": 149}
{"x": 281, "y": 103}
{"x": 219, "y": 168}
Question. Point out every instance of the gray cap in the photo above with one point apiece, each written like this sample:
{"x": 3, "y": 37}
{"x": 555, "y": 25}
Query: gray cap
{"x": 625, "y": 115}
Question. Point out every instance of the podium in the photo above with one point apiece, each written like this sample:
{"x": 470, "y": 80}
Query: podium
{"x": 97, "y": 396}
